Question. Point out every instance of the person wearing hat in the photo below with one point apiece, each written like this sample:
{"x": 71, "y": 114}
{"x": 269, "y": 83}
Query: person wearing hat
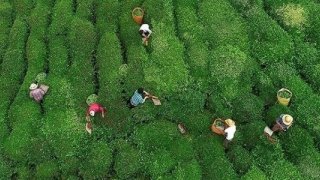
{"x": 282, "y": 123}
{"x": 37, "y": 92}
{"x": 229, "y": 132}
{"x": 145, "y": 33}
{"x": 93, "y": 109}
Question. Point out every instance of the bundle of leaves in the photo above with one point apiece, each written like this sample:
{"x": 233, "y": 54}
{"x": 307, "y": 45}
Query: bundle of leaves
{"x": 231, "y": 71}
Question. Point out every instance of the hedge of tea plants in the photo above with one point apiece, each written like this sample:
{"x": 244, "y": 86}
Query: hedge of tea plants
{"x": 205, "y": 60}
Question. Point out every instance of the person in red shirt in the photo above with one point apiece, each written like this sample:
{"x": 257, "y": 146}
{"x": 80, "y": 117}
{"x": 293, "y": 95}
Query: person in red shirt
{"x": 93, "y": 109}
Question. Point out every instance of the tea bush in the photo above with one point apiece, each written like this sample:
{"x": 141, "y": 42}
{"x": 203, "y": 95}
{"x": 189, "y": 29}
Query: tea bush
{"x": 182, "y": 149}
{"x": 213, "y": 15}
{"x": 85, "y": 9}
{"x": 254, "y": 173}
{"x": 244, "y": 6}
{"x": 275, "y": 111}
{"x": 312, "y": 34}
{"x": 276, "y": 171}
{"x": 212, "y": 159}
{"x": 247, "y": 108}
{"x": 128, "y": 156}
{"x": 58, "y": 57}
{"x": 231, "y": 70}
{"x": 264, "y": 87}
{"x": 251, "y": 133}
{"x": 241, "y": 159}
{"x": 269, "y": 44}
{"x": 309, "y": 166}
{"x": 97, "y": 162}
{"x": 61, "y": 17}
{"x": 107, "y": 15}
{"x": 23, "y": 8}
{"x": 5, "y": 23}
{"x": 48, "y": 169}
{"x": 188, "y": 170}
{"x": 38, "y": 21}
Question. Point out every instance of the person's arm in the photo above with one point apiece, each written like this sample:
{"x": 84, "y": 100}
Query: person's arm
{"x": 103, "y": 111}
{"x": 87, "y": 116}
{"x": 30, "y": 94}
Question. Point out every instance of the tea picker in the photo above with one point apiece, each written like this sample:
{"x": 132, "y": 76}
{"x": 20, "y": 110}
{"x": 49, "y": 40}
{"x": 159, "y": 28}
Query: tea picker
{"x": 38, "y": 90}
{"x": 92, "y": 110}
{"x": 145, "y": 33}
{"x": 283, "y": 123}
{"x": 226, "y": 128}
{"x": 140, "y": 96}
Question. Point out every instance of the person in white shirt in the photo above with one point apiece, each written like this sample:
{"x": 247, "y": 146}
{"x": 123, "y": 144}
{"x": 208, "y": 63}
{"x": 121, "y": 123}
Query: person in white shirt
{"x": 229, "y": 132}
{"x": 145, "y": 33}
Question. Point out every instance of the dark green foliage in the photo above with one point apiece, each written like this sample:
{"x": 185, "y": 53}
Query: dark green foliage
{"x": 128, "y": 157}
{"x": 313, "y": 35}
{"x": 36, "y": 55}
{"x": 254, "y": 173}
{"x": 5, "y": 22}
{"x": 107, "y": 12}
{"x": 158, "y": 163}
{"x": 61, "y": 18}
{"x": 85, "y": 9}
{"x": 244, "y": 6}
{"x": 214, "y": 15}
{"x": 269, "y": 44}
{"x": 218, "y": 104}
{"x": 97, "y": 162}
{"x": 251, "y": 133}
{"x": 6, "y": 12}
{"x": 274, "y": 112}
{"x": 5, "y": 169}
{"x": 23, "y": 7}
{"x": 278, "y": 169}
{"x": 47, "y": 170}
{"x": 297, "y": 142}
{"x": 241, "y": 159}
{"x": 182, "y": 149}
{"x": 188, "y": 170}
{"x": 231, "y": 71}
{"x": 166, "y": 62}
{"x": 165, "y": 16}
{"x": 212, "y": 159}
{"x": 159, "y": 134}
{"x": 247, "y": 108}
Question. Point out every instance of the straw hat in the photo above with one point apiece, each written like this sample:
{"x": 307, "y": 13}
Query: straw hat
{"x": 33, "y": 86}
{"x": 287, "y": 119}
{"x": 92, "y": 113}
{"x": 230, "y": 122}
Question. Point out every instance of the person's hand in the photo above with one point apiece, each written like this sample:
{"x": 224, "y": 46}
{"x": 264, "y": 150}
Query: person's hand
{"x": 102, "y": 115}
{"x": 88, "y": 118}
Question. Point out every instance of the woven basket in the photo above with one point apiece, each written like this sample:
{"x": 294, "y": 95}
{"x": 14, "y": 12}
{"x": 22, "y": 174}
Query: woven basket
{"x": 282, "y": 100}
{"x": 137, "y": 18}
{"x": 217, "y": 129}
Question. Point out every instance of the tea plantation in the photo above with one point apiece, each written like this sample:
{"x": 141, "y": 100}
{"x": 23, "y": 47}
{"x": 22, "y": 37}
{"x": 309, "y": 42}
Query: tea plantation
{"x": 206, "y": 59}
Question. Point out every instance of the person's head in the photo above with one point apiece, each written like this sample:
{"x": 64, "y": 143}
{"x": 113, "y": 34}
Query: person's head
{"x": 91, "y": 113}
{"x": 230, "y": 122}
{"x": 140, "y": 91}
{"x": 33, "y": 86}
{"x": 287, "y": 119}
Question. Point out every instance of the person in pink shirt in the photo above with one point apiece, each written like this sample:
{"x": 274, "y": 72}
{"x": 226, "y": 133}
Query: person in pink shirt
{"x": 93, "y": 109}
{"x": 37, "y": 92}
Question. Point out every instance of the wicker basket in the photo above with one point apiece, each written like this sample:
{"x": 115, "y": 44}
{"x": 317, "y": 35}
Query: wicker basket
{"x": 217, "y": 129}
{"x": 282, "y": 100}
{"x": 137, "y": 18}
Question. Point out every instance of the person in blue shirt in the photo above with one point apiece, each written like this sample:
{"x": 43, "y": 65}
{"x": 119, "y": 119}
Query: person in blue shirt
{"x": 139, "y": 97}
{"x": 282, "y": 123}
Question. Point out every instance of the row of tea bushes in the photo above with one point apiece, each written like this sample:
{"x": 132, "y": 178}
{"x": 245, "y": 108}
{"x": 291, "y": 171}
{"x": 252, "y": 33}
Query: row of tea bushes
{"x": 5, "y": 25}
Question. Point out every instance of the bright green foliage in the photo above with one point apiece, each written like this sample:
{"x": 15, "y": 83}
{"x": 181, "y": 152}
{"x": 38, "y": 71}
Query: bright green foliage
{"x": 165, "y": 69}
{"x": 182, "y": 149}
{"x": 58, "y": 57}
{"x": 309, "y": 166}
{"x": 128, "y": 157}
{"x": 244, "y": 6}
{"x": 247, "y": 108}
{"x": 6, "y": 12}
{"x": 188, "y": 170}
{"x": 109, "y": 62}
{"x": 214, "y": 15}
{"x": 254, "y": 173}
{"x": 274, "y": 112}
{"x": 278, "y": 169}
{"x": 212, "y": 159}
{"x": 266, "y": 155}
{"x": 38, "y": 21}
{"x": 97, "y": 162}
{"x": 82, "y": 42}
{"x": 85, "y": 9}
{"x": 231, "y": 71}
{"x": 264, "y": 88}
{"x": 61, "y": 18}
{"x": 218, "y": 104}
{"x": 165, "y": 16}
{"x": 159, "y": 134}
{"x": 269, "y": 44}
{"x": 107, "y": 15}
{"x": 313, "y": 32}
{"x": 251, "y": 133}
{"x": 158, "y": 163}
{"x": 5, "y": 22}
{"x": 47, "y": 170}
{"x": 241, "y": 159}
